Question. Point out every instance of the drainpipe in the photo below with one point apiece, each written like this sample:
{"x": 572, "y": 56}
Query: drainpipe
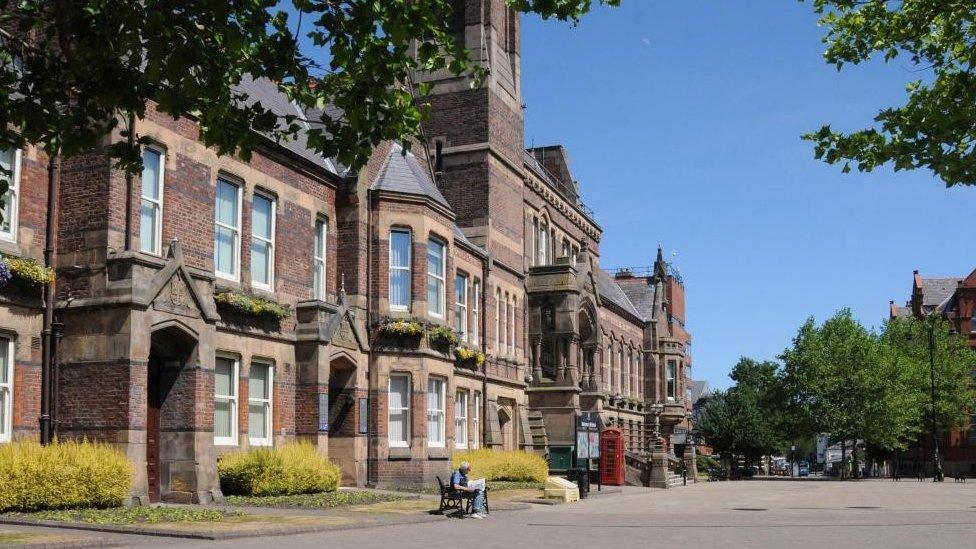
{"x": 128, "y": 186}
{"x": 370, "y": 405}
{"x": 48, "y": 341}
{"x": 485, "y": 273}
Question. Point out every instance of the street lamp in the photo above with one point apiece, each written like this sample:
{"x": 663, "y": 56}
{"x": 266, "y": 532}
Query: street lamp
{"x": 937, "y": 475}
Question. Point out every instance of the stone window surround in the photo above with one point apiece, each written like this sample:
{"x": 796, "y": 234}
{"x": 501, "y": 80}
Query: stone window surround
{"x": 7, "y": 388}
{"x": 439, "y": 409}
{"x": 14, "y": 191}
{"x": 267, "y": 402}
{"x": 270, "y": 242}
{"x": 405, "y": 408}
{"x": 155, "y": 202}
{"x": 236, "y": 245}
{"x": 320, "y": 276}
{"x": 233, "y": 399}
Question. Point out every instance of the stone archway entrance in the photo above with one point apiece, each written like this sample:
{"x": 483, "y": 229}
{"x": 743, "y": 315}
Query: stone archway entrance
{"x": 507, "y": 427}
{"x": 170, "y": 406}
{"x": 344, "y": 418}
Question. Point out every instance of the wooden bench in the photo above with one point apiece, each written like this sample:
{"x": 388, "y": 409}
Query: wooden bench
{"x": 456, "y": 499}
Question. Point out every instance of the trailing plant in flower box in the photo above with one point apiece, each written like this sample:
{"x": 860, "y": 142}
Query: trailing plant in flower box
{"x": 400, "y": 328}
{"x": 252, "y": 305}
{"x": 26, "y": 271}
{"x": 442, "y": 337}
{"x": 469, "y": 357}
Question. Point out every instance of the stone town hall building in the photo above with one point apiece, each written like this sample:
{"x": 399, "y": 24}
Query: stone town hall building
{"x": 480, "y": 235}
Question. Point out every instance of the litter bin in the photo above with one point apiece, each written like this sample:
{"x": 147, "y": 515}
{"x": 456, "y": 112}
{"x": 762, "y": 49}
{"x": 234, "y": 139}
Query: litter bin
{"x": 582, "y": 479}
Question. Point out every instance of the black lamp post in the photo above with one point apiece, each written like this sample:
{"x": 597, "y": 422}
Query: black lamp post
{"x": 937, "y": 475}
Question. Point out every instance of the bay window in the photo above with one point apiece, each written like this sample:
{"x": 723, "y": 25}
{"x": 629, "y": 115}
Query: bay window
{"x": 399, "y": 410}
{"x": 461, "y": 419}
{"x": 6, "y": 388}
{"x": 260, "y": 389}
{"x": 225, "y": 400}
{"x": 476, "y": 420}
{"x": 672, "y": 379}
{"x": 475, "y": 313}
{"x": 151, "y": 207}
{"x": 262, "y": 242}
{"x": 318, "y": 282}
{"x": 400, "y": 243}
{"x": 435, "y": 412}
{"x": 227, "y": 230}
{"x": 435, "y": 278}
{"x": 10, "y": 161}
{"x": 461, "y": 305}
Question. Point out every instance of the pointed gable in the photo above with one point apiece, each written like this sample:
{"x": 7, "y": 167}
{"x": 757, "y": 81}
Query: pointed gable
{"x": 403, "y": 173}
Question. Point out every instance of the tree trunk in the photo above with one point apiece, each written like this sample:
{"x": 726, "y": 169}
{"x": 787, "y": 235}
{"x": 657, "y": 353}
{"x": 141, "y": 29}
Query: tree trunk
{"x": 843, "y": 458}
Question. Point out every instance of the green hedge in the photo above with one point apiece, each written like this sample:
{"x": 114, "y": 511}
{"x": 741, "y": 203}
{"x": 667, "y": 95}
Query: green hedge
{"x": 286, "y": 470}
{"x": 498, "y": 465}
{"x": 63, "y": 475}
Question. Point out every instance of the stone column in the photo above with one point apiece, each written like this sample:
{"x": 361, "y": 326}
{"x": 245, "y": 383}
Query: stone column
{"x": 659, "y": 465}
{"x": 691, "y": 464}
{"x": 537, "y": 360}
{"x": 560, "y": 358}
{"x": 573, "y": 360}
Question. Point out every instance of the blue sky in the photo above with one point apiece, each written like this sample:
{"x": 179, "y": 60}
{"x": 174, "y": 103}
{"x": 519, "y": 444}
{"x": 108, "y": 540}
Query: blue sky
{"x": 682, "y": 121}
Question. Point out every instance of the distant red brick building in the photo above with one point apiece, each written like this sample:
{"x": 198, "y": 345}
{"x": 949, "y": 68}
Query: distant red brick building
{"x": 953, "y": 298}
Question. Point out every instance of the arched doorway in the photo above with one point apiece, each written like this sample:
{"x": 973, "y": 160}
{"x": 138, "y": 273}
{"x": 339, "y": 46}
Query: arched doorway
{"x": 344, "y": 417}
{"x": 505, "y": 425}
{"x": 170, "y": 406}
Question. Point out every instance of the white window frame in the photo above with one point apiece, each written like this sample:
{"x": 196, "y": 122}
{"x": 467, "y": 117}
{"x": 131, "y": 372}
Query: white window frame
{"x": 543, "y": 243}
{"x": 671, "y": 380}
{"x": 269, "y": 285}
{"x": 405, "y": 443}
{"x": 233, "y": 399}
{"x": 475, "y": 331}
{"x": 461, "y": 419}
{"x": 13, "y": 195}
{"x": 407, "y": 269}
{"x": 319, "y": 261}
{"x": 236, "y": 275}
{"x": 439, "y": 280}
{"x": 476, "y": 419}
{"x": 461, "y": 304}
{"x": 7, "y": 390}
{"x": 499, "y": 334}
{"x": 268, "y": 404}
{"x": 511, "y": 326}
{"x": 157, "y": 204}
{"x": 439, "y": 411}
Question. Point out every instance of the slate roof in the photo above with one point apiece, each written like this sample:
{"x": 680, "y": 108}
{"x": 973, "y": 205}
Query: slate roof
{"x": 641, "y": 295}
{"x": 460, "y": 236}
{"x": 935, "y": 291}
{"x": 699, "y": 388}
{"x": 612, "y": 292}
{"x": 901, "y": 312}
{"x": 265, "y": 92}
{"x": 402, "y": 173}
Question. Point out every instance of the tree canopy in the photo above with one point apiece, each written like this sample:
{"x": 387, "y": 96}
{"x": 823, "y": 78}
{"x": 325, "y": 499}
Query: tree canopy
{"x": 936, "y": 127}
{"x": 72, "y": 71}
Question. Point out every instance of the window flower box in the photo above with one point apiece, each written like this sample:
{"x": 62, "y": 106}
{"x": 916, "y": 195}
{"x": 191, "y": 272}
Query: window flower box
{"x": 442, "y": 338}
{"x": 253, "y": 306}
{"x": 469, "y": 358}
{"x": 399, "y": 331}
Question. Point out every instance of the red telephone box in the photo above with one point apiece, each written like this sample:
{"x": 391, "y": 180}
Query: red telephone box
{"x": 612, "y": 457}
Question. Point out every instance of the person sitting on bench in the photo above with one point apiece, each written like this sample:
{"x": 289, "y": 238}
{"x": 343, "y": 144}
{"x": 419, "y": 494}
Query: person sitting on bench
{"x": 459, "y": 481}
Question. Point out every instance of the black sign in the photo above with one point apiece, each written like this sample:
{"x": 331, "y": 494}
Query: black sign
{"x": 589, "y": 422}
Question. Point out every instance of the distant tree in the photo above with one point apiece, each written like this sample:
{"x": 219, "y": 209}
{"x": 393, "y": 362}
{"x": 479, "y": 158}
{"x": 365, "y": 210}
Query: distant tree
{"x": 907, "y": 341}
{"x": 849, "y": 384}
{"x": 936, "y": 128}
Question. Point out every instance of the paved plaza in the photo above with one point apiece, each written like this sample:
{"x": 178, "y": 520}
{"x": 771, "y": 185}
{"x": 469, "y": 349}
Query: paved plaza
{"x": 722, "y": 514}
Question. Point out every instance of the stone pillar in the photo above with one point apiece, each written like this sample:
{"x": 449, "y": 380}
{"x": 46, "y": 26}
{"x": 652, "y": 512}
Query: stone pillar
{"x": 537, "y": 360}
{"x": 560, "y": 358}
{"x": 659, "y": 465}
{"x": 691, "y": 464}
{"x": 573, "y": 361}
